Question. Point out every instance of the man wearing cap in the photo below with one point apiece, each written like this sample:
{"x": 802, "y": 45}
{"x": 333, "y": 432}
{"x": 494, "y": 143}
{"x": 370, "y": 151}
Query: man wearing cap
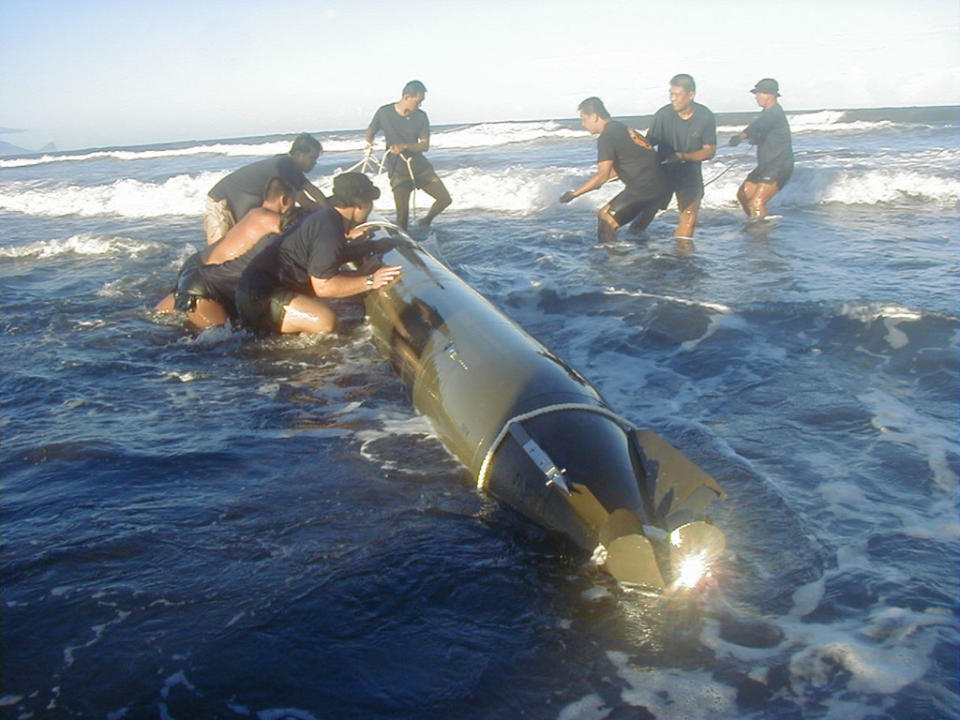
{"x": 771, "y": 134}
{"x": 285, "y": 287}
{"x": 406, "y": 130}
{"x": 685, "y": 133}
{"x": 242, "y": 190}
{"x": 621, "y": 155}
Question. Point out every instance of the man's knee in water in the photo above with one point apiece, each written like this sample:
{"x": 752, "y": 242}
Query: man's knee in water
{"x": 605, "y": 216}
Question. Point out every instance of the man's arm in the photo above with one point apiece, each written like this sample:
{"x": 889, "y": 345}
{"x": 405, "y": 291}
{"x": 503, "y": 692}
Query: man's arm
{"x": 738, "y": 138}
{"x": 373, "y": 128}
{"x": 310, "y": 196}
{"x": 605, "y": 173}
{"x": 704, "y": 153}
{"x": 347, "y": 284}
{"x": 421, "y": 146}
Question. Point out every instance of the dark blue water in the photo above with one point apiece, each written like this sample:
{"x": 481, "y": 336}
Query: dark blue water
{"x": 218, "y": 527}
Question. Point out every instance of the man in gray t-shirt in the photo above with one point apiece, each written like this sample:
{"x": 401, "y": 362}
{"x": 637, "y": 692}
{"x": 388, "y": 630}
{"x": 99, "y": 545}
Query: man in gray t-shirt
{"x": 771, "y": 134}
{"x": 243, "y": 189}
{"x": 685, "y": 133}
{"x": 406, "y": 131}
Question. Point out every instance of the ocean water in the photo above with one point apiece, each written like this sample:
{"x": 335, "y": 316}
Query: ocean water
{"x": 212, "y": 526}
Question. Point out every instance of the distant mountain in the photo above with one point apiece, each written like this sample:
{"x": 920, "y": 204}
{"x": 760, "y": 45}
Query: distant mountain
{"x": 8, "y": 149}
{"x": 11, "y": 149}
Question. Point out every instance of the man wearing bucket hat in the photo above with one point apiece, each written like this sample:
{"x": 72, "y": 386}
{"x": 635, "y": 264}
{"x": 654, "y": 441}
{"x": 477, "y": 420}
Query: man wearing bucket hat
{"x": 285, "y": 288}
{"x": 771, "y": 134}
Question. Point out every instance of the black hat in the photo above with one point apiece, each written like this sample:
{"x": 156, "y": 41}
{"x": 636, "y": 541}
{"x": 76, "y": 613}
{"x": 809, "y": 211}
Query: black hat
{"x": 354, "y": 188}
{"x": 767, "y": 85}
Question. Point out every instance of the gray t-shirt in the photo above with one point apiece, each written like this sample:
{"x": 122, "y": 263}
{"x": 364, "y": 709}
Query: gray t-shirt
{"x": 399, "y": 128}
{"x": 771, "y": 133}
{"x": 672, "y": 134}
{"x": 243, "y": 189}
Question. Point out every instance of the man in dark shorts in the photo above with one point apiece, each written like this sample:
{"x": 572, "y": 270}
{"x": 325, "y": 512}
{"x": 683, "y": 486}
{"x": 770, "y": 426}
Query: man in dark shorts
{"x": 685, "y": 133}
{"x": 406, "y": 131}
{"x": 771, "y": 134}
{"x": 207, "y": 280}
{"x": 240, "y": 191}
{"x": 284, "y": 288}
{"x": 629, "y": 157}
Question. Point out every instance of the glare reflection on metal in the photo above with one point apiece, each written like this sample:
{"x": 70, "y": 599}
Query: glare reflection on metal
{"x": 691, "y": 570}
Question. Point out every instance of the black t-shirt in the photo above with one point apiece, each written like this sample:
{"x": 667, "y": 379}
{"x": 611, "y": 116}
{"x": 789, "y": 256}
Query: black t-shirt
{"x": 243, "y": 188}
{"x": 771, "y": 132}
{"x": 398, "y": 128}
{"x": 672, "y": 134}
{"x": 313, "y": 247}
{"x": 637, "y": 166}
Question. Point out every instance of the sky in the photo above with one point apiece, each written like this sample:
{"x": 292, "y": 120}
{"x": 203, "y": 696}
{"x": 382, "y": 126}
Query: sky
{"x": 95, "y": 73}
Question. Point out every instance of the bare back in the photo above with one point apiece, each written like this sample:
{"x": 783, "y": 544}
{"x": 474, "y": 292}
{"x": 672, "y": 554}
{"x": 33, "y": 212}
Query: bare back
{"x": 244, "y": 235}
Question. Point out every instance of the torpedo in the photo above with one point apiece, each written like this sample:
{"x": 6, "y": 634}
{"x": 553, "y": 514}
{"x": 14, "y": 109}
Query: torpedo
{"x": 532, "y": 431}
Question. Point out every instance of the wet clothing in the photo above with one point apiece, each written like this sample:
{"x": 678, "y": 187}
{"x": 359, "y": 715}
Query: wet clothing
{"x": 218, "y": 282}
{"x": 672, "y": 134}
{"x": 626, "y": 206}
{"x": 639, "y": 169}
{"x": 399, "y": 172}
{"x": 399, "y": 129}
{"x": 217, "y": 219}
{"x": 771, "y": 132}
{"x": 314, "y": 247}
{"x": 243, "y": 189}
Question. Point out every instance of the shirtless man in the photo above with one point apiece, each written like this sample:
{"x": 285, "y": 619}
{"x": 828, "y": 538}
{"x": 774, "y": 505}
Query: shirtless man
{"x": 771, "y": 134}
{"x": 208, "y": 279}
{"x": 619, "y": 154}
{"x": 406, "y": 131}
{"x": 685, "y": 133}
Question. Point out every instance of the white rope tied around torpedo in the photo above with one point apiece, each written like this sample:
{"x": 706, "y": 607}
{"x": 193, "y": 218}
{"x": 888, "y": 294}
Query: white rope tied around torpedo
{"x": 561, "y": 407}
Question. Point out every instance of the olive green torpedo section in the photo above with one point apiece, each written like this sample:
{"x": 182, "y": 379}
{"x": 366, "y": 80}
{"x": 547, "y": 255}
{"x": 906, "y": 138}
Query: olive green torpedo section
{"x": 532, "y": 431}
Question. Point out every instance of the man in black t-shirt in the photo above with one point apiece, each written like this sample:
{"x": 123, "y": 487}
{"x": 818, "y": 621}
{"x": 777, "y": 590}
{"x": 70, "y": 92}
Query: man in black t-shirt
{"x": 406, "y": 131}
{"x": 771, "y": 134}
{"x": 627, "y": 156}
{"x": 685, "y": 133}
{"x": 284, "y": 287}
{"x": 240, "y": 191}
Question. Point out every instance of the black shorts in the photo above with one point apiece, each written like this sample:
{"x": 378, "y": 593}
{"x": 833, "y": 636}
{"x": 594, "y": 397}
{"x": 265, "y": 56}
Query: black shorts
{"x": 197, "y": 281}
{"x": 627, "y": 205}
{"x": 686, "y": 180}
{"x": 261, "y": 307}
{"x": 777, "y": 174}
{"x": 399, "y": 172}
{"x": 190, "y": 285}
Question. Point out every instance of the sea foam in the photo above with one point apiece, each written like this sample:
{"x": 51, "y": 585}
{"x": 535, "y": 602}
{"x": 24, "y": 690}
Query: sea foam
{"x": 85, "y": 244}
